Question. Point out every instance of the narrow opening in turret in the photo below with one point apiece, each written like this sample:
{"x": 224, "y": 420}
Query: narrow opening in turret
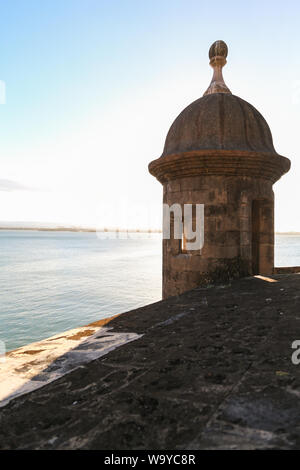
{"x": 255, "y": 236}
{"x": 262, "y": 236}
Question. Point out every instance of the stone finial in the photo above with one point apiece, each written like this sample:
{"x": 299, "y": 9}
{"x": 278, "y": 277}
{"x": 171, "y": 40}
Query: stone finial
{"x": 217, "y": 53}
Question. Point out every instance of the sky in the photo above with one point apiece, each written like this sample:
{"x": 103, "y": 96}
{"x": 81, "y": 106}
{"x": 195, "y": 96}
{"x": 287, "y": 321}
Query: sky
{"x": 89, "y": 89}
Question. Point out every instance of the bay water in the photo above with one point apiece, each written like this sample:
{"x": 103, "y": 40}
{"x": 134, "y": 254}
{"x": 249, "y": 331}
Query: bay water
{"x": 54, "y": 281}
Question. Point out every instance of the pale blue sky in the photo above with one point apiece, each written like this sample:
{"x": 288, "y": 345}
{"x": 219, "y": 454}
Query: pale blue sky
{"x": 92, "y": 87}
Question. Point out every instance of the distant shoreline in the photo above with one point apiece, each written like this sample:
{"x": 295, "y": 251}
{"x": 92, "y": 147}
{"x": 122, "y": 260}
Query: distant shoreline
{"x": 75, "y": 229}
{"x": 287, "y": 233}
{"x": 104, "y": 230}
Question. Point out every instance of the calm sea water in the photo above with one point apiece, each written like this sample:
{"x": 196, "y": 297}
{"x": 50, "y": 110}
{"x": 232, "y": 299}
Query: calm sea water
{"x": 53, "y": 281}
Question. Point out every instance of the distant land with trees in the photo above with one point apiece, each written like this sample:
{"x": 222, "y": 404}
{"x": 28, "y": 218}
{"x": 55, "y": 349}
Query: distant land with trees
{"x": 72, "y": 228}
{"x": 36, "y": 226}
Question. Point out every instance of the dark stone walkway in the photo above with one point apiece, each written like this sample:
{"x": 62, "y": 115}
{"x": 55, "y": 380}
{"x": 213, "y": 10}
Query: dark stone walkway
{"x": 212, "y": 370}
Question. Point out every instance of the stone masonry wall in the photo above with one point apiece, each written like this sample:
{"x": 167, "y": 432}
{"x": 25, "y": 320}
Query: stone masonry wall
{"x": 228, "y": 215}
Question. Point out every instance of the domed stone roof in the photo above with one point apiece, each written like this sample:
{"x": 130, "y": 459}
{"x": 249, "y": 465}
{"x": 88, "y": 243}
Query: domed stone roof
{"x": 219, "y": 134}
{"x": 219, "y": 121}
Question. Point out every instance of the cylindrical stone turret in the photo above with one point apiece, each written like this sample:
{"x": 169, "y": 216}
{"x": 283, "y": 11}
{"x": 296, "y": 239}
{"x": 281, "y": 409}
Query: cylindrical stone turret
{"x": 219, "y": 152}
